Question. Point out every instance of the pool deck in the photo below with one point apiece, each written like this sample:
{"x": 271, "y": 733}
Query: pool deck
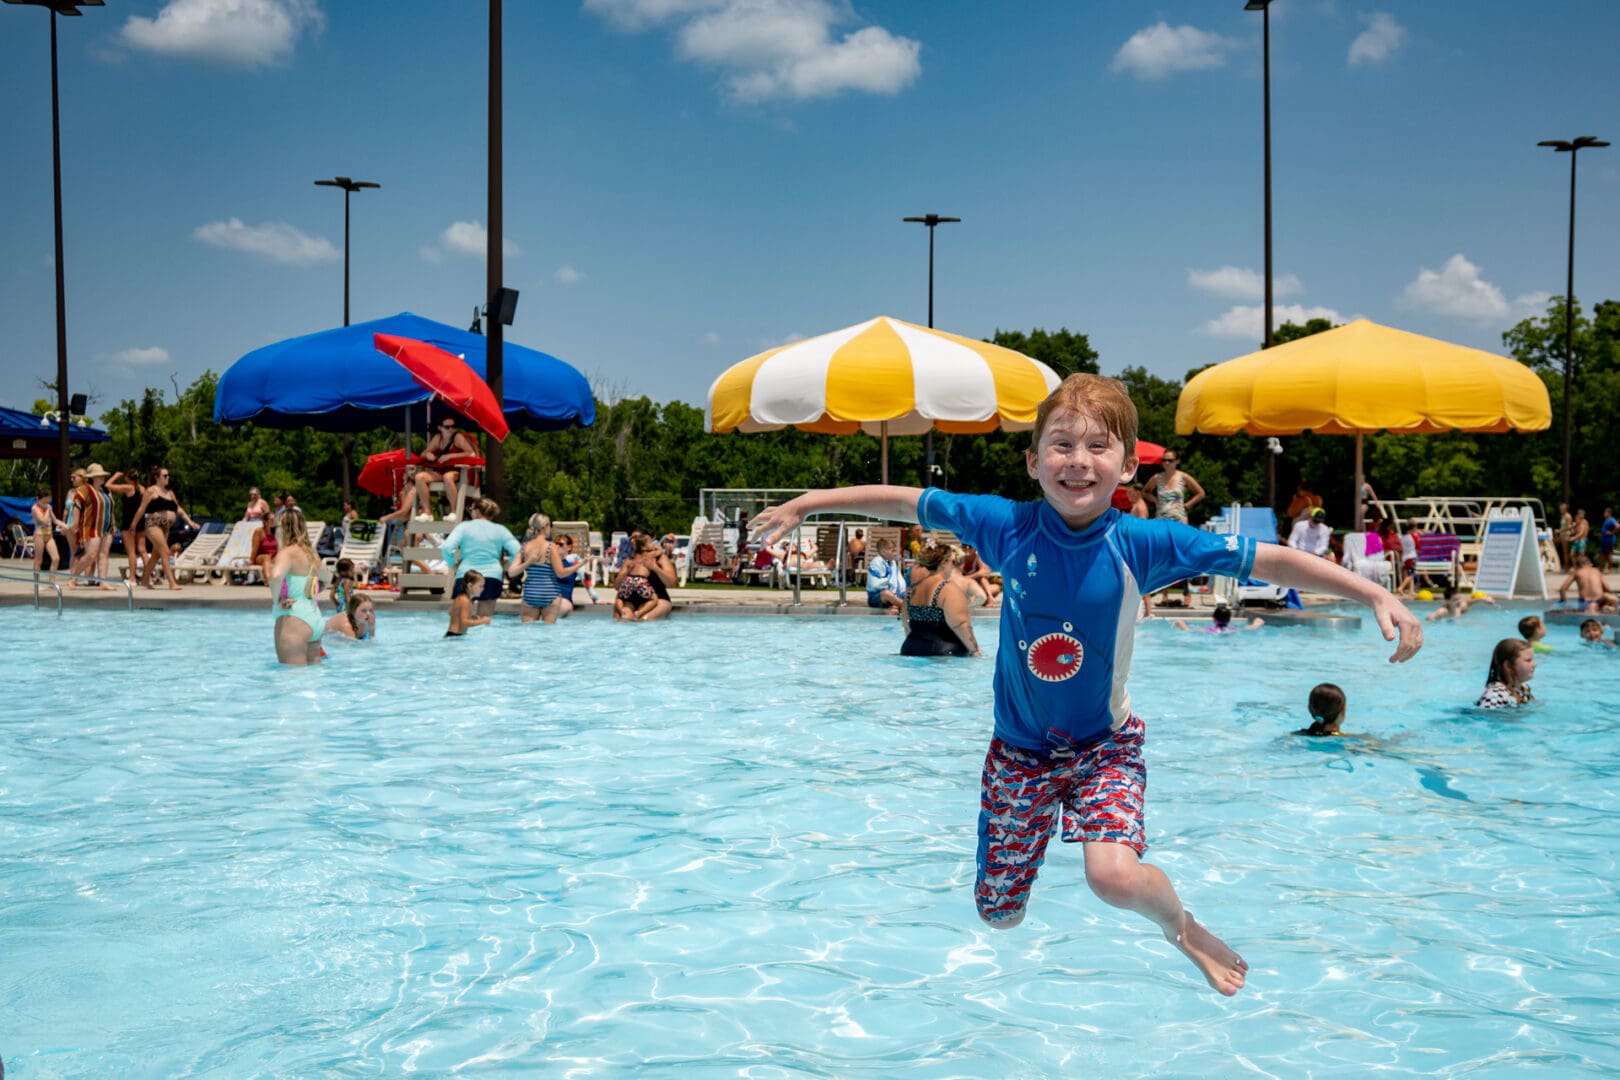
{"x": 702, "y": 600}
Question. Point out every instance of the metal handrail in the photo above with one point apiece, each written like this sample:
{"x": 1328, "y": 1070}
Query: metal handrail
{"x": 10, "y": 573}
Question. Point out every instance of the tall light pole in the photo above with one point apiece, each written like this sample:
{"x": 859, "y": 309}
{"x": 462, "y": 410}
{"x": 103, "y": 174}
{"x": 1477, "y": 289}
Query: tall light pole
{"x": 930, "y": 220}
{"x": 59, "y": 7}
{"x": 1264, "y": 8}
{"x": 349, "y": 188}
{"x": 1573, "y": 148}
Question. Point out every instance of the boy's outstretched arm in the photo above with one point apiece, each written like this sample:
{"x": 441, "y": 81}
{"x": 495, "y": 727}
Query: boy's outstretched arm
{"x": 1286, "y": 566}
{"x": 877, "y": 500}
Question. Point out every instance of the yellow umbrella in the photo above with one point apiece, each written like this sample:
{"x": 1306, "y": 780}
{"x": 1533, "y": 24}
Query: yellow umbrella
{"x": 882, "y": 376}
{"x": 1363, "y": 378}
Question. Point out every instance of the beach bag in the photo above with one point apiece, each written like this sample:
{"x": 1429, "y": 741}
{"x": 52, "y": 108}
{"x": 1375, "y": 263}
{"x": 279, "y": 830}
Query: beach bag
{"x": 706, "y": 555}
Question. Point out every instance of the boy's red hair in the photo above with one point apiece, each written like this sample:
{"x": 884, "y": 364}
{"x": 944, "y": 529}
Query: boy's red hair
{"x": 1095, "y": 396}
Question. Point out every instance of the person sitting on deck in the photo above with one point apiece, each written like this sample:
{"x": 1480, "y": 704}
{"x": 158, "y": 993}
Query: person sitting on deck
{"x": 1311, "y": 534}
{"x": 885, "y": 584}
{"x": 1588, "y": 582}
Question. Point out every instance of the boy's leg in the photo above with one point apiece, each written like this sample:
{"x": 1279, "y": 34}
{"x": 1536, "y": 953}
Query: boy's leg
{"x": 1105, "y": 810}
{"x": 1019, "y": 801}
{"x": 1119, "y": 877}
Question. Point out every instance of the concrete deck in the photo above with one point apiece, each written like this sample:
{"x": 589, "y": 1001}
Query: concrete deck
{"x": 17, "y": 589}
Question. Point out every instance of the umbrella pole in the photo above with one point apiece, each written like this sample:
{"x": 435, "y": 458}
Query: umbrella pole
{"x": 1356, "y": 499}
{"x": 883, "y": 455}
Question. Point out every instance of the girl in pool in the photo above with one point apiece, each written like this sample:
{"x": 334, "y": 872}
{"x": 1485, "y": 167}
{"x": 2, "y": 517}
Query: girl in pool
{"x": 1326, "y": 704}
{"x": 1507, "y": 685}
{"x": 461, "y": 608}
{"x": 356, "y": 622}
{"x": 1220, "y": 622}
{"x": 294, "y": 587}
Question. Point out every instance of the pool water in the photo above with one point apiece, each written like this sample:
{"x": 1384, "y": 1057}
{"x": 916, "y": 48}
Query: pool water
{"x": 744, "y": 847}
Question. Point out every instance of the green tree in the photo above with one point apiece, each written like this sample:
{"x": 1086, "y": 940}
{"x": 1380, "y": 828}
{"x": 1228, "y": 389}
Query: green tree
{"x": 1065, "y": 352}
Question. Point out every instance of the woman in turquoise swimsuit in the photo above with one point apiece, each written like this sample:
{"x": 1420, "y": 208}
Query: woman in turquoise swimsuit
{"x": 293, "y": 589}
{"x": 1173, "y": 492}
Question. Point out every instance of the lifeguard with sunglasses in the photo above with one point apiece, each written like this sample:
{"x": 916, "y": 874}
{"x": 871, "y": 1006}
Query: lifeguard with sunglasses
{"x": 448, "y": 449}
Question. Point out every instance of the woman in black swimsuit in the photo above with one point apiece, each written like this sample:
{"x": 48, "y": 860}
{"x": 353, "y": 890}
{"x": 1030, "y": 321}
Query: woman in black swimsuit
{"x": 937, "y": 619}
{"x": 128, "y": 484}
{"x": 158, "y": 509}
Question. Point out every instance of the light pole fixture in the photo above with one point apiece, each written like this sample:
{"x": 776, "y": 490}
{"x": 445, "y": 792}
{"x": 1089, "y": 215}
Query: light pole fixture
{"x": 349, "y": 188}
{"x": 1572, "y": 147}
{"x": 930, "y": 220}
{"x": 63, "y": 446}
{"x": 1264, "y": 8}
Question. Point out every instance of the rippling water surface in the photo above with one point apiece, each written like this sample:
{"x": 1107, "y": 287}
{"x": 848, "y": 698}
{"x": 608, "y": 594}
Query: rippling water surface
{"x": 744, "y": 847}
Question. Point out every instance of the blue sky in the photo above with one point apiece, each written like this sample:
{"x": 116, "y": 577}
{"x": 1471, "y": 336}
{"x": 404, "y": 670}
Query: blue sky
{"x": 689, "y": 182}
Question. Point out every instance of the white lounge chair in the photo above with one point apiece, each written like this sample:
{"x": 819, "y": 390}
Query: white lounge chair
{"x": 708, "y": 551}
{"x": 197, "y": 561}
{"x": 1373, "y": 568}
{"x": 236, "y": 557}
{"x": 362, "y": 545}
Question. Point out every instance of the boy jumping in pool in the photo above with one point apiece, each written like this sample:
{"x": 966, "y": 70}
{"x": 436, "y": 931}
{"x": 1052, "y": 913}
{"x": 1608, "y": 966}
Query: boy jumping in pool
{"x": 1067, "y": 745}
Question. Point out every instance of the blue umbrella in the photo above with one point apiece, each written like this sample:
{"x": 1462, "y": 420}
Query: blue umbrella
{"x": 336, "y": 380}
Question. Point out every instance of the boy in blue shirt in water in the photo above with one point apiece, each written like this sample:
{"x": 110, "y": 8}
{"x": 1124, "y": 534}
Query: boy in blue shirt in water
{"x": 1067, "y": 747}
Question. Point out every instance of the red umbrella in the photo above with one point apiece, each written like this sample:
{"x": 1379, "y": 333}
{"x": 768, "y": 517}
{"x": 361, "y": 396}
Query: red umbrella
{"x": 449, "y": 378}
{"x": 384, "y": 473}
{"x": 1148, "y": 453}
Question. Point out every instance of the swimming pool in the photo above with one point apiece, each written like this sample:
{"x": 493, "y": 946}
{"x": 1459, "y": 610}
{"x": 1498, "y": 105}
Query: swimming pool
{"x": 744, "y": 847}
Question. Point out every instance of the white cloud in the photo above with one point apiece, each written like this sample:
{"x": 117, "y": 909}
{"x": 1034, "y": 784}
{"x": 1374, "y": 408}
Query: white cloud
{"x": 245, "y": 33}
{"x": 1162, "y": 49}
{"x": 711, "y": 338}
{"x": 777, "y": 49}
{"x": 1378, "y": 42}
{"x": 1249, "y": 322}
{"x": 274, "y": 240}
{"x": 567, "y": 275}
{"x": 1456, "y": 289}
{"x": 1241, "y": 283}
{"x": 141, "y": 358}
{"x": 641, "y": 14}
{"x": 466, "y": 238}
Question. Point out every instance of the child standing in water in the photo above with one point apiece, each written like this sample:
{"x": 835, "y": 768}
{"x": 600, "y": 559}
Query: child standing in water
{"x": 1532, "y": 629}
{"x": 1067, "y": 745}
{"x": 1507, "y": 684}
{"x": 1326, "y": 704}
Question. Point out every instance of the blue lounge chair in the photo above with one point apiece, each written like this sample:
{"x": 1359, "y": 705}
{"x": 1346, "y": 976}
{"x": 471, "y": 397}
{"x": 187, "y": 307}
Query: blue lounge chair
{"x": 1259, "y": 523}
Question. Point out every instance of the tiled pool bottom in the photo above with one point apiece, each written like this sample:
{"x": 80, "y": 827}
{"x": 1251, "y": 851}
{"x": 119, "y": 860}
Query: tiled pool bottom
{"x": 744, "y": 847}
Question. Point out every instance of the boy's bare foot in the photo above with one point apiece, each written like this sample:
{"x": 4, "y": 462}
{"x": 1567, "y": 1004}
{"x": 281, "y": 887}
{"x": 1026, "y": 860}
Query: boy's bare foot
{"x": 1223, "y": 968}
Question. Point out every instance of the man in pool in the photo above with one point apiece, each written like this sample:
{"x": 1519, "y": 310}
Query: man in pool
{"x": 1067, "y": 745}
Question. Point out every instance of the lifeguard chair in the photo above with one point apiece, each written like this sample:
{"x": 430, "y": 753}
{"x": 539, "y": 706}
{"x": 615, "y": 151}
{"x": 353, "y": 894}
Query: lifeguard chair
{"x": 424, "y": 539}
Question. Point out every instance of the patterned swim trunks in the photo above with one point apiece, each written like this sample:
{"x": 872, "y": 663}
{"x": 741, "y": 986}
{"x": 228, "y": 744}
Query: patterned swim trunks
{"x": 1097, "y": 789}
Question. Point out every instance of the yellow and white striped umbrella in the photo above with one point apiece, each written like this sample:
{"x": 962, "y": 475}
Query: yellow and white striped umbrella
{"x": 885, "y": 377}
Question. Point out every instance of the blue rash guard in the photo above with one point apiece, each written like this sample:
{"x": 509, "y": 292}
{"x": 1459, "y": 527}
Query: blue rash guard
{"x": 1068, "y": 612}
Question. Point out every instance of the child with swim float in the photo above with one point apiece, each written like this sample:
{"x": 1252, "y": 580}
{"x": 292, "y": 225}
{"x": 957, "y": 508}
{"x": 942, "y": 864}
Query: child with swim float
{"x": 1067, "y": 745}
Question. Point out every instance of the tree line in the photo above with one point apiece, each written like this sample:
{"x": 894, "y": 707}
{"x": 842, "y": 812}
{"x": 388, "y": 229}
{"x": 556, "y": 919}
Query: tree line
{"x": 642, "y": 463}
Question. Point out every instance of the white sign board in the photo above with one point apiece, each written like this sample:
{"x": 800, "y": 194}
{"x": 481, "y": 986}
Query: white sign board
{"x": 1509, "y": 560}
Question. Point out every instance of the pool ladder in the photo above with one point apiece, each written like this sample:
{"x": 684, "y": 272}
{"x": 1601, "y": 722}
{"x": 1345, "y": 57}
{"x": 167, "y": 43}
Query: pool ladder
{"x": 51, "y": 579}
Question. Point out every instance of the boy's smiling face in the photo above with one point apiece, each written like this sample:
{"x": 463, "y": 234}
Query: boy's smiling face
{"x": 1079, "y": 463}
